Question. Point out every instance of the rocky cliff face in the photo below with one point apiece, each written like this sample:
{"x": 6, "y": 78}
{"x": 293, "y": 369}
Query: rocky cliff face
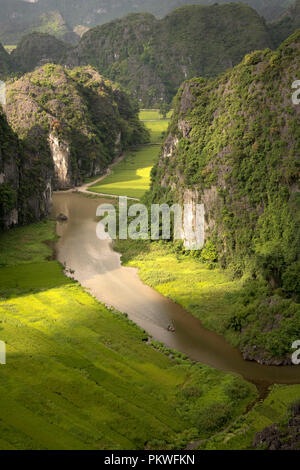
{"x": 19, "y": 18}
{"x": 76, "y": 121}
{"x": 64, "y": 125}
{"x": 25, "y": 184}
{"x": 234, "y": 147}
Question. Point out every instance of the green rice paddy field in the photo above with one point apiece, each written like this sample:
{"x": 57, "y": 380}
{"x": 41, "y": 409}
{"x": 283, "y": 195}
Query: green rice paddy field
{"x": 131, "y": 176}
{"x": 80, "y": 376}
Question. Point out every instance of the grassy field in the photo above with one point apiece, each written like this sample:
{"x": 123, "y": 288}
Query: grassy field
{"x": 152, "y": 114}
{"x": 232, "y": 307}
{"x": 206, "y": 293}
{"x": 131, "y": 176}
{"x": 79, "y": 376}
{"x": 10, "y": 48}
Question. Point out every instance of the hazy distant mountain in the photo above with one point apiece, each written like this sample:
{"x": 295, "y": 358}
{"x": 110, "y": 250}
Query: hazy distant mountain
{"x": 61, "y": 17}
{"x": 288, "y": 22}
{"x": 151, "y": 57}
{"x": 19, "y": 17}
{"x": 91, "y": 12}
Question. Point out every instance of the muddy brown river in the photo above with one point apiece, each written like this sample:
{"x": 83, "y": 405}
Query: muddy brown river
{"x": 97, "y": 267}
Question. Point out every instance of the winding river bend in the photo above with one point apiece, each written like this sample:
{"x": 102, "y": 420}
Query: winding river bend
{"x": 97, "y": 267}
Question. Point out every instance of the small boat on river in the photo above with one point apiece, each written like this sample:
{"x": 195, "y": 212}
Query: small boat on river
{"x": 171, "y": 328}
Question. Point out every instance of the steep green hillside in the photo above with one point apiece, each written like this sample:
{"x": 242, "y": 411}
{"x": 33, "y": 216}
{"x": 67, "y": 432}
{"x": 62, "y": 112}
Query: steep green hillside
{"x": 73, "y": 119}
{"x": 5, "y": 63}
{"x": 152, "y": 57}
{"x": 37, "y": 49}
{"x": 234, "y": 146}
{"x": 64, "y": 125}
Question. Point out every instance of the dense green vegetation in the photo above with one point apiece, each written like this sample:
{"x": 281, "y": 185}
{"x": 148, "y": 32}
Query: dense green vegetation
{"x": 154, "y": 56}
{"x": 5, "y": 63}
{"x": 275, "y": 409}
{"x": 23, "y": 195}
{"x": 153, "y": 115}
{"x": 63, "y": 126}
{"x": 245, "y": 312}
{"x": 131, "y": 176}
{"x": 76, "y": 12}
{"x": 79, "y": 376}
{"x": 35, "y": 49}
{"x": 237, "y": 151}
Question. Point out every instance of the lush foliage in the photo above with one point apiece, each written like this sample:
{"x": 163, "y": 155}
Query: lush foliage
{"x": 286, "y": 24}
{"x": 274, "y": 409}
{"x": 236, "y": 143}
{"x": 19, "y": 18}
{"x": 20, "y": 185}
{"x": 36, "y": 48}
{"x": 152, "y": 57}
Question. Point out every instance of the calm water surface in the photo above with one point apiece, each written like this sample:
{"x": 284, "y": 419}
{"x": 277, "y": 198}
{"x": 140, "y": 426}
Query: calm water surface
{"x": 98, "y": 268}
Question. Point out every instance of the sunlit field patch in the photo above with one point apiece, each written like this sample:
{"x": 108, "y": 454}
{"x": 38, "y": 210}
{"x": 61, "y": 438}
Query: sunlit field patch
{"x": 80, "y": 376}
{"x": 131, "y": 176}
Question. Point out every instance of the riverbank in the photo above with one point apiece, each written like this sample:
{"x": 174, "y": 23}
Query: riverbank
{"x": 261, "y": 323}
{"x": 238, "y": 309}
{"x": 210, "y": 292}
{"x": 81, "y": 376}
